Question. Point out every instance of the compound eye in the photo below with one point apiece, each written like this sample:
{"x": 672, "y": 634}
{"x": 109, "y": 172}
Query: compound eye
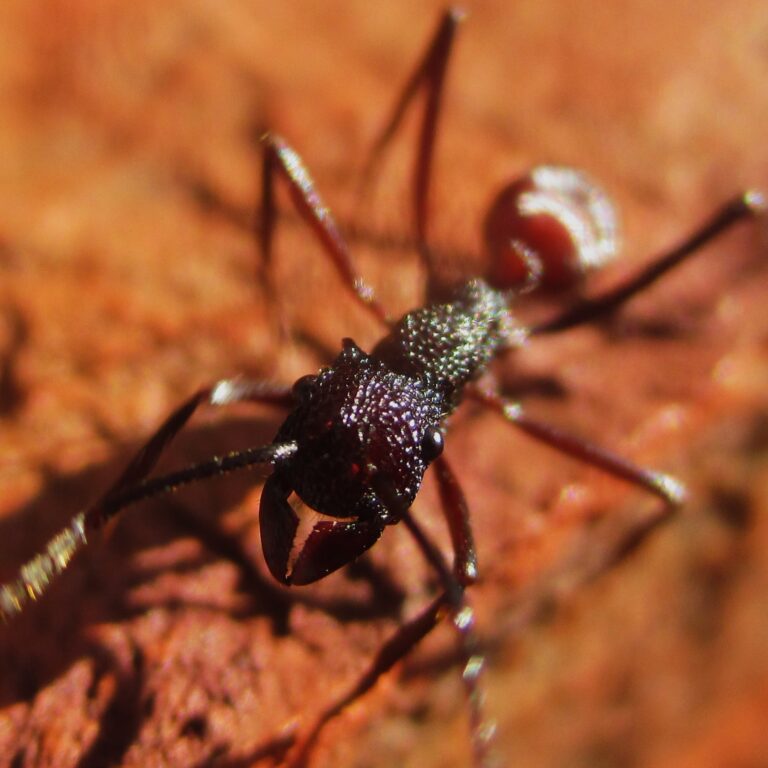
{"x": 302, "y": 388}
{"x": 432, "y": 443}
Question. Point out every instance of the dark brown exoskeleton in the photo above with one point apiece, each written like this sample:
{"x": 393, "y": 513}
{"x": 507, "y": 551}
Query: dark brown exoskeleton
{"x": 361, "y": 433}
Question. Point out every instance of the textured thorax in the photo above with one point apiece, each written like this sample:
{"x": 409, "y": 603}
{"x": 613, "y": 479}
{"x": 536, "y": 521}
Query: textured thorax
{"x": 449, "y": 344}
{"x": 368, "y": 426}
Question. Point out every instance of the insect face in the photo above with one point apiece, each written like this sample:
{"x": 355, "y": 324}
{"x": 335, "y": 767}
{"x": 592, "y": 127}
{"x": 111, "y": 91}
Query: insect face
{"x": 365, "y": 435}
{"x": 359, "y": 426}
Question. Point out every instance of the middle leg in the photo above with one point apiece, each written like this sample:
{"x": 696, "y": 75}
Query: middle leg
{"x": 281, "y": 160}
{"x": 669, "y": 489}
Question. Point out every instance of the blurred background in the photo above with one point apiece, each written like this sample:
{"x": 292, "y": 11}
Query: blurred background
{"x": 129, "y": 172}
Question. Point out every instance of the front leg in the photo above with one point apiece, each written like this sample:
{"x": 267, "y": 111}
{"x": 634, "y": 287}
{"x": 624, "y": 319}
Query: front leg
{"x": 451, "y": 601}
{"x": 133, "y": 486}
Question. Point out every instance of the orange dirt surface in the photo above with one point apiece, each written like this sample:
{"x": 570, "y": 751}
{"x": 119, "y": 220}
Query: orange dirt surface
{"x": 128, "y": 180}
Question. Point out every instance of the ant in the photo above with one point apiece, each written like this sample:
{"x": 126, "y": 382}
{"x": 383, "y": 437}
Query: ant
{"x": 361, "y": 433}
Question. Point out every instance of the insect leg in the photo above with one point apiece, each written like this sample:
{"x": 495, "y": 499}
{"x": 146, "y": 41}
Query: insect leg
{"x": 132, "y": 485}
{"x": 750, "y": 204}
{"x": 462, "y": 617}
{"x": 670, "y": 490}
{"x": 456, "y": 514}
{"x": 402, "y": 643}
{"x": 282, "y": 160}
{"x": 429, "y": 75}
{"x": 410, "y": 634}
{"x": 394, "y": 649}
